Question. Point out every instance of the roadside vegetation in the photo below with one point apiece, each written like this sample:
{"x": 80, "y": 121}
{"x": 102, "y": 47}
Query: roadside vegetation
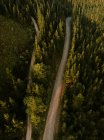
{"x": 82, "y": 115}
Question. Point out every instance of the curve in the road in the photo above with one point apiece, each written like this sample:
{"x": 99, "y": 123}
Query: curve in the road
{"x": 51, "y": 122}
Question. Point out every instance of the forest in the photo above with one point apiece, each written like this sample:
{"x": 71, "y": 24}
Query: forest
{"x": 26, "y": 86}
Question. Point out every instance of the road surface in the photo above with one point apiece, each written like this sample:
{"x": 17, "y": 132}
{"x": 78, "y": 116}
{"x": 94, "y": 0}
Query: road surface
{"x": 54, "y": 109}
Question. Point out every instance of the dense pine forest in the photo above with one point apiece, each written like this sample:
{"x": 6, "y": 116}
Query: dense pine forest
{"x": 82, "y": 107}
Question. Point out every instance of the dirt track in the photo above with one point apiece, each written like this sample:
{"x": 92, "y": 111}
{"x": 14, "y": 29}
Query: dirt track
{"x": 29, "y": 125}
{"x": 54, "y": 109}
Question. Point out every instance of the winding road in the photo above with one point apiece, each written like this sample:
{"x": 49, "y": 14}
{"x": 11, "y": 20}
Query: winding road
{"x": 54, "y": 109}
{"x": 29, "y": 84}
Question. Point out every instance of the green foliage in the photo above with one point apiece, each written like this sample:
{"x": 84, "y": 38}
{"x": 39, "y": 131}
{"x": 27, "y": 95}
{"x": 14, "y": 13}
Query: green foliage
{"x": 84, "y": 76}
{"x": 39, "y": 72}
{"x": 83, "y": 109}
{"x": 14, "y": 50}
